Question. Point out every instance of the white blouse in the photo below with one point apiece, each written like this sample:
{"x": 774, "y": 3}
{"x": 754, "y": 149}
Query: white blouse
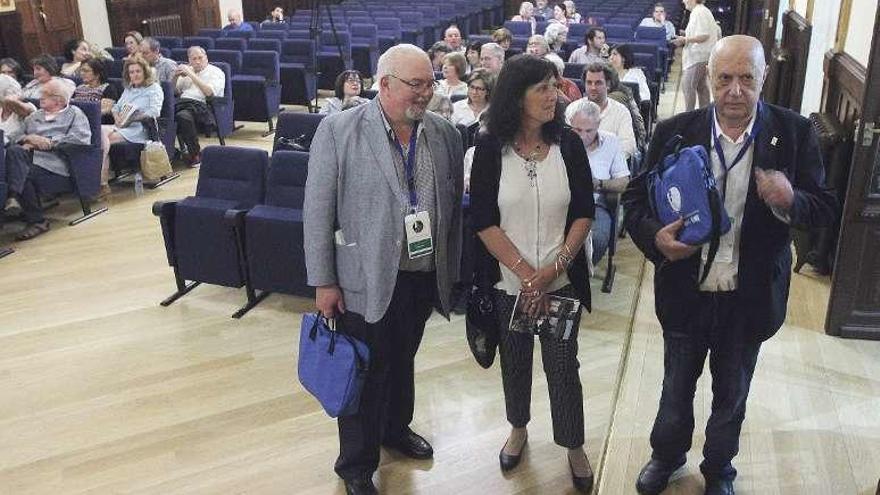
{"x": 636, "y": 75}
{"x": 445, "y": 89}
{"x": 462, "y": 113}
{"x": 533, "y": 217}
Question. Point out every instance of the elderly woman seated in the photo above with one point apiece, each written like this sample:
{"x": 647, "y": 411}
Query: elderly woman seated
{"x": 141, "y": 101}
{"x": 526, "y": 14}
{"x": 607, "y": 165}
{"x": 454, "y": 70}
{"x": 556, "y": 35}
{"x": 567, "y": 88}
{"x": 46, "y": 131}
{"x": 45, "y": 69}
{"x": 76, "y": 52}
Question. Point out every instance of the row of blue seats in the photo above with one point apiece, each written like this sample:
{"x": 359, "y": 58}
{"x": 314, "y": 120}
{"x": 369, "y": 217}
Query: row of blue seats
{"x": 243, "y": 226}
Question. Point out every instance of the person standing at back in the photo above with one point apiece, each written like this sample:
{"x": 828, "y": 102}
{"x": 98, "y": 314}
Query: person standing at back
{"x": 382, "y": 229}
{"x": 699, "y": 37}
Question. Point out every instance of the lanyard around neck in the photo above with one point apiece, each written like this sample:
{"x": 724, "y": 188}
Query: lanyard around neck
{"x": 756, "y": 128}
{"x": 409, "y": 163}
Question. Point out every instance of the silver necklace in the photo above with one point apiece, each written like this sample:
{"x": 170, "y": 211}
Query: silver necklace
{"x": 530, "y": 162}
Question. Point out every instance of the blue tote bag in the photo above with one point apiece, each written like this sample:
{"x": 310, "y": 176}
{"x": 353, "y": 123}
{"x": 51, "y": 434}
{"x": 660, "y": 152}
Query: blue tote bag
{"x": 331, "y": 365}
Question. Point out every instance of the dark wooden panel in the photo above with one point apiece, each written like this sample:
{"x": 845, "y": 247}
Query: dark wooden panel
{"x": 127, "y": 15}
{"x": 852, "y": 92}
{"x": 39, "y": 26}
{"x": 796, "y": 34}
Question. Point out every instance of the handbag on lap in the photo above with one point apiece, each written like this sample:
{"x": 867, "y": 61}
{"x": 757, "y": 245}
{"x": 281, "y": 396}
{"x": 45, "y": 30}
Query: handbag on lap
{"x": 331, "y": 365}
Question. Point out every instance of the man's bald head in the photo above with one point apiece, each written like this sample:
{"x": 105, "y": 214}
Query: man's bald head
{"x": 736, "y": 76}
{"x": 740, "y": 47}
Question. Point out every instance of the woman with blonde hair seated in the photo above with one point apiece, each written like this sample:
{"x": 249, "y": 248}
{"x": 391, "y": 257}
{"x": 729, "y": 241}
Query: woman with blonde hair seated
{"x": 454, "y": 69}
{"x": 526, "y": 14}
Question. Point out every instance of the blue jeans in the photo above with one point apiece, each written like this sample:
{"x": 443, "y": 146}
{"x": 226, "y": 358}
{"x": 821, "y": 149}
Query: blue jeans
{"x": 722, "y": 333}
{"x": 601, "y": 230}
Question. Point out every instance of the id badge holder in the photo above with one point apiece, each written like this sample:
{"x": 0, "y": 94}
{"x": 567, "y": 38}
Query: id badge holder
{"x": 419, "y": 242}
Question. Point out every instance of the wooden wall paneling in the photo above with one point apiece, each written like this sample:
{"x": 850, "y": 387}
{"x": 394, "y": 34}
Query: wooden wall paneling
{"x": 126, "y": 15}
{"x": 853, "y": 93}
{"x": 39, "y": 26}
{"x": 796, "y": 34}
{"x": 11, "y": 37}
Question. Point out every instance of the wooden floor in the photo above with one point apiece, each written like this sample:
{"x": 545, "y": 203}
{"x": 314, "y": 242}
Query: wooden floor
{"x": 103, "y": 391}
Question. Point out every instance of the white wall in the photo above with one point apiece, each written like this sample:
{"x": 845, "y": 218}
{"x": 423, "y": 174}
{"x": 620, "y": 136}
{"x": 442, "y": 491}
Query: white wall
{"x": 825, "y": 16}
{"x": 800, "y": 6}
{"x": 225, "y": 5}
{"x": 95, "y": 23}
{"x": 861, "y": 30}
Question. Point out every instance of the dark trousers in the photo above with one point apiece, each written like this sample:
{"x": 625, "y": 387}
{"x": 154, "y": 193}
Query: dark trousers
{"x": 560, "y": 366}
{"x": 387, "y": 399}
{"x": 191, "y": 115}
{"x": 721, "y": 331}
{"x": 22, "y": 173}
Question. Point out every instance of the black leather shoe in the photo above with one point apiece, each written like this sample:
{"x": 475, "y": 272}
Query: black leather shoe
{"x": 510, "y": 461}
{"x": 583, "y": 485}
{"x": 719, "y": 487}
{"x": 655, "y": 476}
{"x": 360, "y": 486}
{"x": 411, "y": 445}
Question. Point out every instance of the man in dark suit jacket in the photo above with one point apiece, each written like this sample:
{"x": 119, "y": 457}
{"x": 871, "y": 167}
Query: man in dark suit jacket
{"x": 767, "y": 162}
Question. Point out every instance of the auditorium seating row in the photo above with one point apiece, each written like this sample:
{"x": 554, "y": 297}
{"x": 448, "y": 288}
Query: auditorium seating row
{"x": 243, "y": 226}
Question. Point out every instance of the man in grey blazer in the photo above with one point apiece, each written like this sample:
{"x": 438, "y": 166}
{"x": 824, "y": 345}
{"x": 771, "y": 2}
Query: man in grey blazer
{"x": 382, "y": 225}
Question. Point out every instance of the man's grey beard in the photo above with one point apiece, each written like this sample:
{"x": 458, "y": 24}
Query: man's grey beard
{"x": 414, "y": 113}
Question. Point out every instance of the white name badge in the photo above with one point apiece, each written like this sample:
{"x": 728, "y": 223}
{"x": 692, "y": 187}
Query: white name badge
{"x": 418, "y": 234}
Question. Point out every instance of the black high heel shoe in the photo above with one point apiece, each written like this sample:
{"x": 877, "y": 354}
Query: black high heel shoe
{"x": 582, "y": 484}
{"x": 510, "y": 461}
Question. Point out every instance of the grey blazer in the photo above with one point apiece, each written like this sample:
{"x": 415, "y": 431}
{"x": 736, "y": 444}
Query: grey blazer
{"x": 352, "y": 185}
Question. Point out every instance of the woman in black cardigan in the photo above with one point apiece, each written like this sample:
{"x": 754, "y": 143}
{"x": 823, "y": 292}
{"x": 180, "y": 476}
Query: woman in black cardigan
{"x": 532, "y": 205}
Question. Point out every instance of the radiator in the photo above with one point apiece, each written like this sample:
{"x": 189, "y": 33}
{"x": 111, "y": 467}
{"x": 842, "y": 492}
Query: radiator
{"x": 165, "y": 25}
{"x": 819, "y": 245}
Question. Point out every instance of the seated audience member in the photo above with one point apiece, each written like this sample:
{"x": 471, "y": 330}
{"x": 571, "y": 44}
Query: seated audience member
{"x": 556, "y": 36}
{"x": 658, "y": 19}
{"x": 347, "y": 93}
{"x": 615, "y": 116}
{"x": 276, "y": 16}
{"x": 441, "y": 105}
{"x": 236, "y": 22}
{"x": 594, "y": 49}
{"x": 436, "y": 53}
{"x": 140, "y": 101}
{"x": 503, "y": 37}
{"x": 607, "y": 164}
{"x": 566, "y": 88}
{"x": 468, "y": 110}
{"x": 12, "y": 109}
{"x": 473, "y": 55}
{"x": 454, "y": 67}
{"x": 96, "y": 88}
{"x": 622, "y": 61}
{"x": 492, "y": 58}
{"x": 452, "y": 37}
{"x": 538, "y": 47}
{"x": 571, "y": 12}
{"x": 622, "y": 93}
{"x": 12, "y": 114}
{"x": 163, "y": 68}
{"x": 469, "y": 154}
{"x": 543, "y": 10}
{"x": 39, "y": 151}
{"x": 12, "y": 68}
{"x": 132, "y": 43}
{"x": 526, "y": 14}
{"x": 75, "y": 53}
{"x": 559, "y": 15}
{"x": 45, "y": 69}
{"x": 194, "y": 84}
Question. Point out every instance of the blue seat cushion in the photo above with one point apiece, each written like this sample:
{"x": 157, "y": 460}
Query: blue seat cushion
{"x": 205, "y": 244}
{"x": 274, "y": 245}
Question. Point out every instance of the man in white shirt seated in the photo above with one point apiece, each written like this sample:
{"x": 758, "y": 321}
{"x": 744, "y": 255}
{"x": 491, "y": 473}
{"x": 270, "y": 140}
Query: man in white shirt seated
{"x": 594, "y": 49}
{"x": 607, "y": 165}
{"x": 615, "y": 116}
{"x": 452, "y": 37}
{"x": 194, "y": 84}
{"x": 658, "y": 19}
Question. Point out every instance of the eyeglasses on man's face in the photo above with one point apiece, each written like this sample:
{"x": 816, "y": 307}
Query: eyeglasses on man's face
{"x": 417, "y": 85}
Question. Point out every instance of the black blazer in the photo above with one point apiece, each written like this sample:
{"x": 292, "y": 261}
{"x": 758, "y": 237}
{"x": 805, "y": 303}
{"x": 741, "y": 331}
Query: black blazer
{"x": 484, "y": 211}
{"x": 765, "y": 253}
